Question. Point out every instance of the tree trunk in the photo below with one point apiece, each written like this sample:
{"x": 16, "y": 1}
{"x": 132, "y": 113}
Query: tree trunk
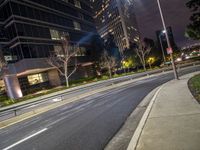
{"x": 110, "y": 73}
{"x": 66, "y": 75}
{"x": 150, "y": 66}
{"x": 143, "y": 63}
{"x": 67, "y": 81}
{"x": 144, "y": 67}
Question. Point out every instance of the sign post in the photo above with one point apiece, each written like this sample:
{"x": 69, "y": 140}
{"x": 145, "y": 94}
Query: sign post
{"x": 169, "y": 50}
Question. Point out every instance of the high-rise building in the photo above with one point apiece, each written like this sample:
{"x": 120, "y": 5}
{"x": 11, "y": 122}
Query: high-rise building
{"x": 116, "y": 17}
{"x": 163, "y": 41}
{"x": 31, "y": 29}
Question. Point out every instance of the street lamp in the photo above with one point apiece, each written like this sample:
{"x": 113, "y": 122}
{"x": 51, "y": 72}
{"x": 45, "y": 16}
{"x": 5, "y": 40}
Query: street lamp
{"x": 168, "y": 42}
{"x": 161, "y": 44}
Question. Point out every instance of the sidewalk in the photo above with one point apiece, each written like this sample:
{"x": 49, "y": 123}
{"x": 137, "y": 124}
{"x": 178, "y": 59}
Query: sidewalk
{"x": 173, "y": 122}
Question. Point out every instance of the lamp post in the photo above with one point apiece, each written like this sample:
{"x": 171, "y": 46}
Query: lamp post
{"x": 161, "y": 44}
{"x": 168, "y": 42}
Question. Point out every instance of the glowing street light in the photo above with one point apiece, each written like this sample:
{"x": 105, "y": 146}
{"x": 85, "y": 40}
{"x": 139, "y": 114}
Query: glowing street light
{"x": 161, "y": 44}
{"x": 168, "y": 42}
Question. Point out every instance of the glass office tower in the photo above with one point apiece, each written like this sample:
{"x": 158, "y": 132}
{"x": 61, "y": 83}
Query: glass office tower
{"x": 116, "y": 17}
{"x": 31, "y": 29}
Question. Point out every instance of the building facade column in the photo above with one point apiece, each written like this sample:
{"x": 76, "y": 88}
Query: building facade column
{"x": 54, "y": 78}
{"x": 13, "y": 87}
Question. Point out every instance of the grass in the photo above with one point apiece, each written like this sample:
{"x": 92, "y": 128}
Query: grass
{"x": 194, "y": 85}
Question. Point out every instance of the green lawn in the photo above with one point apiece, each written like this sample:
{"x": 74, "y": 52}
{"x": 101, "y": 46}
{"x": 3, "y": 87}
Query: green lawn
{"x": 194, "y": 85}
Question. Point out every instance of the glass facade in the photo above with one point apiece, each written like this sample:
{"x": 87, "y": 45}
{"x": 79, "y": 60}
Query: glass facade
{"x": 31, "y": 28}
{"x": 116, "y": 17}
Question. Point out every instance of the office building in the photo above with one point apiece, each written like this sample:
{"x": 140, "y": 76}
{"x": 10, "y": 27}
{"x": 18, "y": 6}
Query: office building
{"x": 116, "y": 17}
{"x": 163, "y": 41}
{"x": 31, "y": 29}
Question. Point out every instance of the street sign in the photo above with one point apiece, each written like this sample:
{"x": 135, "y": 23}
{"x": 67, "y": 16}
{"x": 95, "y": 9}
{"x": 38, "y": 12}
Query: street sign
{"x": 169, "y": 50}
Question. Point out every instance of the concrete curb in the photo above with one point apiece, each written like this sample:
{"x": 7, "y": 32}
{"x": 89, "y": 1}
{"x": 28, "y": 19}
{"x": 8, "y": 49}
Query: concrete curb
{"x": 130, "y": 125}
{"x": 28, "y": 115}
{"x": 136, "y": 136}
{"x": 138, "y": 131}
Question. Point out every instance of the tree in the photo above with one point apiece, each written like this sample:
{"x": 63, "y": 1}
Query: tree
{"x": 108, "y": 62}
{"x": 129, "y": 59}
{"x": 193, "y": 29}
{"x": 61, "y": 58}
{"x": 151, "y": 61}
{"x": 142, "y": 49}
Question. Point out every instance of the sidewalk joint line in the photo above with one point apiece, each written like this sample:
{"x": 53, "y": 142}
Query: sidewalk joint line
{"x": 178, "y": 115}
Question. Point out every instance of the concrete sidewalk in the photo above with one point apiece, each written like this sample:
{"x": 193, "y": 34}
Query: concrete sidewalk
{"x": 173, "y": 122}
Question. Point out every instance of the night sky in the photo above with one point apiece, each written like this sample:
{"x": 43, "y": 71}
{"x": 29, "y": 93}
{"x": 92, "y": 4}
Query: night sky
{"x": 176, "y": 15}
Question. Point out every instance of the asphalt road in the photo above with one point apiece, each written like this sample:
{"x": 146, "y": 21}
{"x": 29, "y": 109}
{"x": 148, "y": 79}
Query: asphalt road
{"x": 85, "y": 125}
{"x": 73, "y": 92}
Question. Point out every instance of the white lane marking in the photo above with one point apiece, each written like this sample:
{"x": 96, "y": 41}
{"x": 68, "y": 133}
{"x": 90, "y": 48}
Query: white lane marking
{"x": 25, "y": 139}
{"x": 57, "y": 99}
{"x": 32, "y": 106}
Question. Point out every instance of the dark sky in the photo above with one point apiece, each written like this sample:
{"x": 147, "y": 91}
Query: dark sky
{"x": 176, "y": 15}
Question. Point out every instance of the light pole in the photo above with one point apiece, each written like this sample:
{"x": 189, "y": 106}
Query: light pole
{"x": 161, "y": 44}
{"x": 168, "y": 42}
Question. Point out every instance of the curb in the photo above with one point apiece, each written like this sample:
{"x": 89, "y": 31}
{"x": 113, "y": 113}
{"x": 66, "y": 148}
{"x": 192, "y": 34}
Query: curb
{"x": 127, "y": 126}
{"x": 136, "y": 136}
{"x": 133, "y": 143}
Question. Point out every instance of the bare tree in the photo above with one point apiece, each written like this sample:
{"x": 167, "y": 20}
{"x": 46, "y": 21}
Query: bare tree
{"x": 108, "y": 62}
{"x": 62, "y": 57}
{"x": 142, "y": 49}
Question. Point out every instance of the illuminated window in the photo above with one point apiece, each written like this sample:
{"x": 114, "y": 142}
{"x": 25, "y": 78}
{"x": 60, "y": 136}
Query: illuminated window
{"x": 77, "y": 3}
{"x": 55, "y": 35}
{"x": 37, "y": 78}
{"x": 77, "y": 25}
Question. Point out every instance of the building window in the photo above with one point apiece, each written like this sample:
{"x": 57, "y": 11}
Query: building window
{"x": 55, "y": 35}
{"x": 37, "y": 78}
{"x": 77, "y": 3}
{"x": 77, "y": 25}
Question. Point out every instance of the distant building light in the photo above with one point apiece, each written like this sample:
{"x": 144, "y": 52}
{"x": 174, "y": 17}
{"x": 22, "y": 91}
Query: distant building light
{"x": 178, "y": 59}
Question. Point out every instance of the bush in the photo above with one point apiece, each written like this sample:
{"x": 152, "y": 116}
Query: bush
{"x": 104, "y": 77}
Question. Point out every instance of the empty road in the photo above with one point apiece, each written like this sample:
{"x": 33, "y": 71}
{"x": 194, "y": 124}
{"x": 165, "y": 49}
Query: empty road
{"x": 85, "y": 125}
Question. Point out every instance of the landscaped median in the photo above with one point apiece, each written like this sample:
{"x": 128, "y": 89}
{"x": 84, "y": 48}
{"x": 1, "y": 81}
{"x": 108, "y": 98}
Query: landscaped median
{"x": 194, "y": 85}
{"x": 5, "y": 101}
{"x": 38, "y": 111}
